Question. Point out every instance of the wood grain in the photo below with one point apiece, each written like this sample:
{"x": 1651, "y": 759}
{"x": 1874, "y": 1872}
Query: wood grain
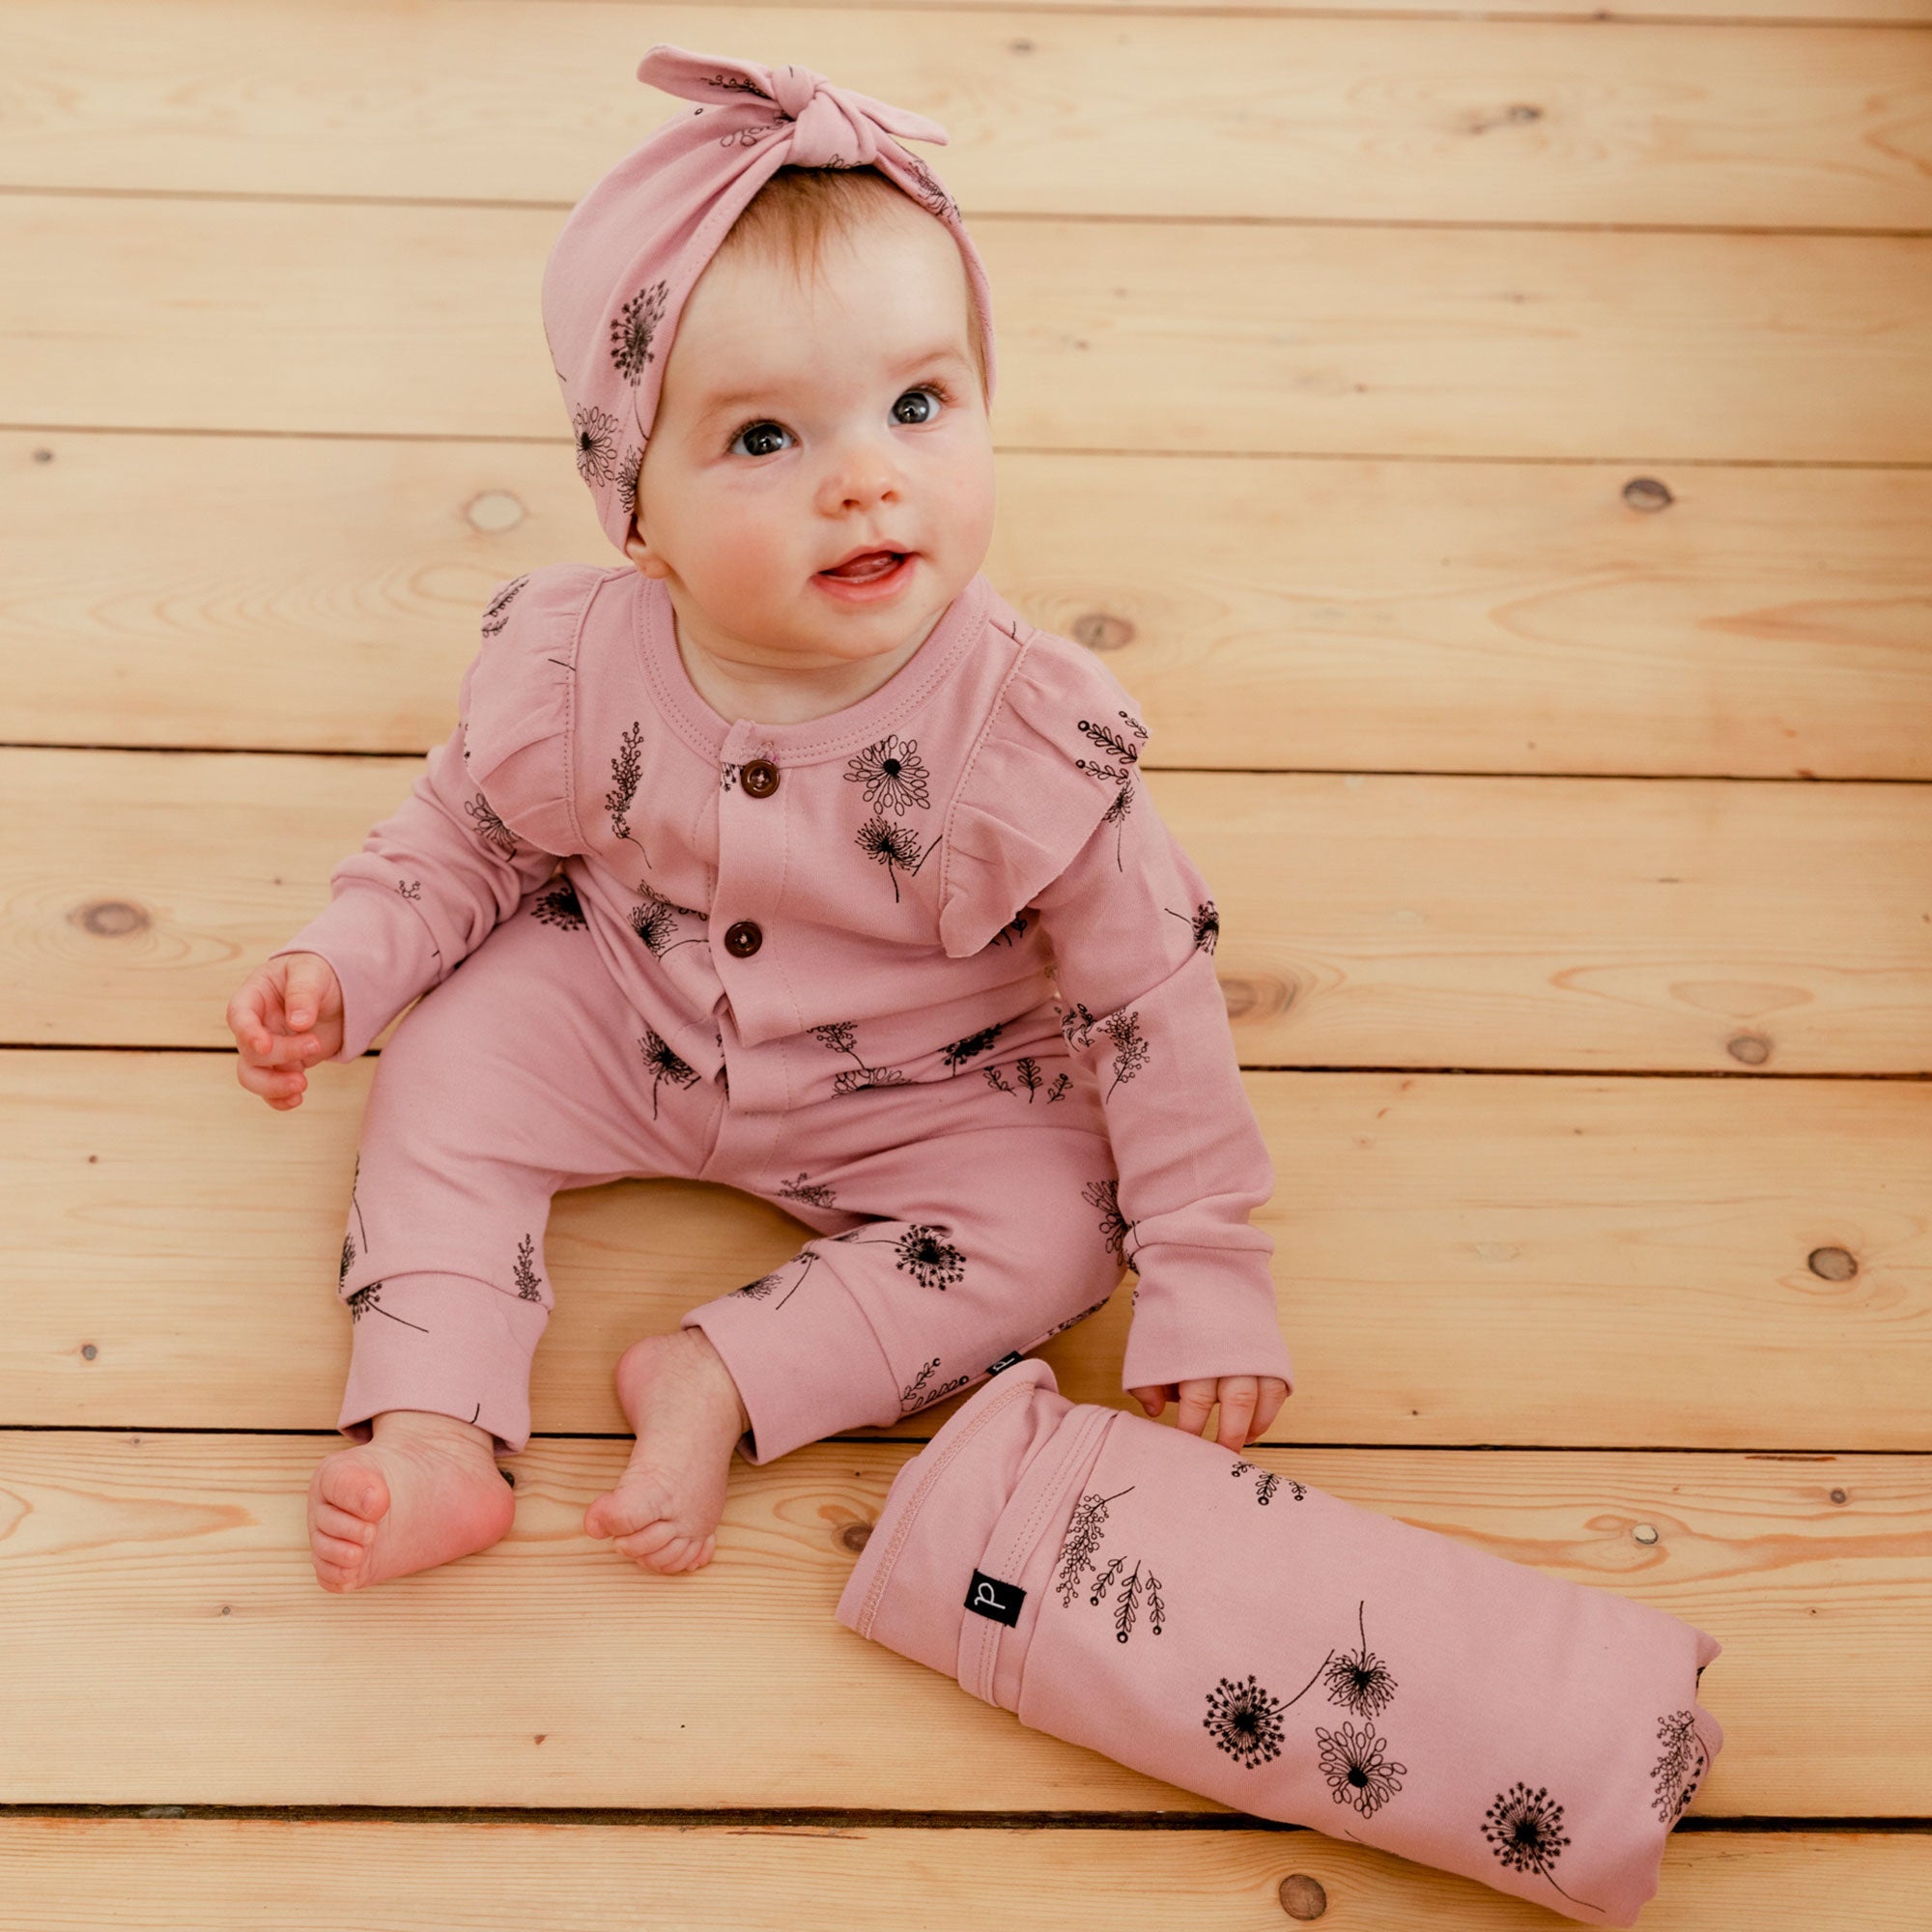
{"x": 215, "y": 1874}
{"x": 306, "y": 593}
{"x": 166, "y": 1635}
{"x": 1459, "y": 1259}
{"x": 1185, "y": 114}
{"x": 1192, "y": 337}
{"x": 1366, "y": 920}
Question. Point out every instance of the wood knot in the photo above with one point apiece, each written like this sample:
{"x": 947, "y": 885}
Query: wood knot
{"x": 1647, "y": 493}
{"x": 110, "y": 918}
{"x": 44, "y": 456}
{"x": 1102, "y": 631}
{"x": 87, "y": 1351}
{"x": 1302, "y": 1896}
{"x": 1837, "y": 1495}
{"x": 1522, "y": 111}
{"x": 856, "y": 1535}
{"x": 508, "y": 1475}
{"x": 1645, "y": 1532}
{"x": 494, "y": 511}
{"x": 1832, "y": 1264}
{"x": 1019, "y": 46}
{"x": 1256, "y": 999}
{"x": 1752, "y": 1049}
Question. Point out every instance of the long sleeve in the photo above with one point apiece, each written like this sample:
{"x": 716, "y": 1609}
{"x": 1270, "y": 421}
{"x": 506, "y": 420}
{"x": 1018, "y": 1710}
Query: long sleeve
{"x": 485, "y": 822}
{"x": 1133, "y": 927}
{"x": 1053, "y": 814}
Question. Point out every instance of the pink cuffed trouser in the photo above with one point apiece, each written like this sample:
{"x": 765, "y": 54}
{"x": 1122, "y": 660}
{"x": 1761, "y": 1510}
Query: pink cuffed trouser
{"x": 1156, "y": 1598}
{"x": 952, "y": 1224}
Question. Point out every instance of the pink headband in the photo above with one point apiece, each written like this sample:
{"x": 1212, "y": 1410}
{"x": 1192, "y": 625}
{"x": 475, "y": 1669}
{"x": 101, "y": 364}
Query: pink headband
{"x": 634, "y": 248}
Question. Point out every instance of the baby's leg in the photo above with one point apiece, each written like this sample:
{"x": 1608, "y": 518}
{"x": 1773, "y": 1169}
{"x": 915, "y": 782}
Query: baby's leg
{"x": 988, "y": 1230}
{"x": 517, "y": 1076}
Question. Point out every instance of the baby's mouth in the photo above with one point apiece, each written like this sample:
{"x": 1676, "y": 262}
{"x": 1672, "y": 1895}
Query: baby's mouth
{"x": 862, "y": 569}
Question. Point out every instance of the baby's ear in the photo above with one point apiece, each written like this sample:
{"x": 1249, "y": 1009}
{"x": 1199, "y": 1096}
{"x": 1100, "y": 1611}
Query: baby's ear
{"x": 637, "y": 547}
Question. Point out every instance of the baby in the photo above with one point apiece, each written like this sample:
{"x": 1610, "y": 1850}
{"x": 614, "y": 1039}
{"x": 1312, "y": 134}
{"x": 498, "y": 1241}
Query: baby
{"x": 863, "y": 908}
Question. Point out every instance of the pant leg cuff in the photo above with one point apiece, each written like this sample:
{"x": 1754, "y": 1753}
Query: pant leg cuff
{"x": 801, "y": 1380}
{"x": 446, "y": 1342}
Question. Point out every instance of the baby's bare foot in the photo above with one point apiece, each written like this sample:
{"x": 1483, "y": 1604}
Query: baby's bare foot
{"x": 685, "y": 1408}
{"x": 426, "y": 1491}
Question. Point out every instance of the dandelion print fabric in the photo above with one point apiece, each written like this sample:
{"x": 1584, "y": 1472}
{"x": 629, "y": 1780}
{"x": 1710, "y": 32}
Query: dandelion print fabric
{"x": 1290, "y": 1653}
{"x": 958, "y": 888}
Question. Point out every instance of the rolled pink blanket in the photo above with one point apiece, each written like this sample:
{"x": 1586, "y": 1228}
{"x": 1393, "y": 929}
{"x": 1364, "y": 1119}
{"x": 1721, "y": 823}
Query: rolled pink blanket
{"x": 1157, "y": 1598}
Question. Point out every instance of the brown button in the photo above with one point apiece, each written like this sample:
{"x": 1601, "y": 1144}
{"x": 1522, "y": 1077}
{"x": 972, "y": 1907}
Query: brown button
{"x": 759, "y": 778}
{"x": 743, "y": 939}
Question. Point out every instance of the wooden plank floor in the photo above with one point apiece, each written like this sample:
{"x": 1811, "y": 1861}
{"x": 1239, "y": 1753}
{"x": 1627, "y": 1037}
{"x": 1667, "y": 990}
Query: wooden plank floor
{"x": 1493, "y": 446}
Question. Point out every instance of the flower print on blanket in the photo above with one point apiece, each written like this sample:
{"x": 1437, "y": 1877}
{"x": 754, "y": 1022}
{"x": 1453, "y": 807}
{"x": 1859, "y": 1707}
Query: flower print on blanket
{"x": 367, "y": 1301}
{"x": 916, "y": 1394}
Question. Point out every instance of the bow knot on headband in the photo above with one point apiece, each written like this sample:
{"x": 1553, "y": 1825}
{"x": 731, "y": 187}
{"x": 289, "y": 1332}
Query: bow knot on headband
{"x": 631, "y": 251}
{"x": 832, "y": 126}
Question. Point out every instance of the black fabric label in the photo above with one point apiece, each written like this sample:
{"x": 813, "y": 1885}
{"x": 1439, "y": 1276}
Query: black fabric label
{"x": 990, "y": 1598}
{"x": 1005, "y": 1362}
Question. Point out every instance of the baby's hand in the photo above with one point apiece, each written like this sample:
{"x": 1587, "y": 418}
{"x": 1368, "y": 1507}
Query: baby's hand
{"x": 286, "y": 1015}
{"x": 1248, "y": 1405}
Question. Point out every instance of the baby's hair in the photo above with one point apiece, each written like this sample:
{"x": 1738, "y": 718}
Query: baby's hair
{"x": 794, "y": 210}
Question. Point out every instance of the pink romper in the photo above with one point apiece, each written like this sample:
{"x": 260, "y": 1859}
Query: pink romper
{"x": 929, "y": 973}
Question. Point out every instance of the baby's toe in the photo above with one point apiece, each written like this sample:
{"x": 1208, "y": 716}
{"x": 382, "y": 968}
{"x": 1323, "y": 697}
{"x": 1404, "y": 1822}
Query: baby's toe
{"x": 346, "y": 1484}
{"x": 336, "y": 1552}
{"x": 331, "y": 1522}
{"x": 626, "y": 1511}
{"x": 680, "y": 1552}
{"x": 653, "y": 1540}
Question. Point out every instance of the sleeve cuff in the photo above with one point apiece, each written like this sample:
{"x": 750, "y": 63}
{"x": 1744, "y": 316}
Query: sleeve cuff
{"x": 1202, "y": 1315}
{"x": 382, "y": 953}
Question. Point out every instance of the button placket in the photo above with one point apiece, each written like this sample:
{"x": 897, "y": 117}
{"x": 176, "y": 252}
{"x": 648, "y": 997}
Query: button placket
{"x": 745, "y": 854}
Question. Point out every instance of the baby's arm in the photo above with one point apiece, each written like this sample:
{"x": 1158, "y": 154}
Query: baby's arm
{"x": 429, "y": 885}
{"x": 484, "y": 825}
{"x": 1132, "y": 929}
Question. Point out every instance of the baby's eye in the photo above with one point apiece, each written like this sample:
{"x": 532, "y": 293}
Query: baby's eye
{"x": 923, "y": 389}
{"x": 762, "y": 428}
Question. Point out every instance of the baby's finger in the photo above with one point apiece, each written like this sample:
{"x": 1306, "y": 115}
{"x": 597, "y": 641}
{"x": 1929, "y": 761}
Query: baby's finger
{"x": 248, "y": 1017}
{"x": 1197, "y": 1399}
{"x": 1273, "y": 1393}
{"x": 280, "y": 1088}
{"x": 1237, "y": 1410}
{"x": 297, "y": 1050}
{"x": 308, "y": 983}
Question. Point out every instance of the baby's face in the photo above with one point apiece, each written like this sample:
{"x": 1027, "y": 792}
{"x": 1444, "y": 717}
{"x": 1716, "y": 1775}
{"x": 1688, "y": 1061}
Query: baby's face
{"x": 799, "y": 423}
